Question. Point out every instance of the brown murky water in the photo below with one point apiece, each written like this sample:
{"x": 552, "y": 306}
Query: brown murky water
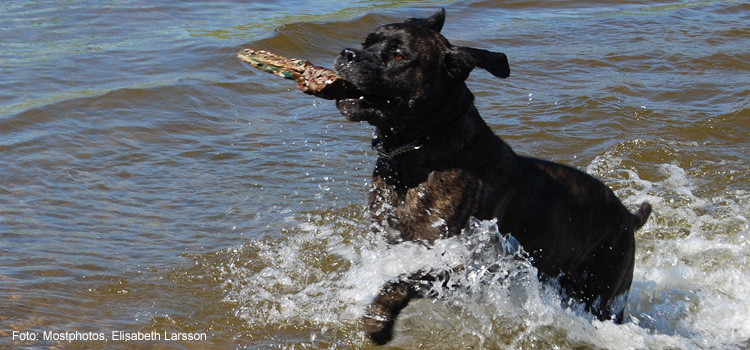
{"x": 152, "y": 186}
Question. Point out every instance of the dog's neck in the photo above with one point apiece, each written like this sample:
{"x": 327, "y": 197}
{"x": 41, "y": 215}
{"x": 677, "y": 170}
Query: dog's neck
{"x": 406, "y": 164}
{"x": 391, "y": 150}
{"x": 425, "y": 131}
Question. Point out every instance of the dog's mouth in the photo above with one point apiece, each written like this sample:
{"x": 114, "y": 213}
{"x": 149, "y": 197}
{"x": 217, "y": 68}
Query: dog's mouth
{"x": 365, "y": 107}
{"x": 366, "y": 100}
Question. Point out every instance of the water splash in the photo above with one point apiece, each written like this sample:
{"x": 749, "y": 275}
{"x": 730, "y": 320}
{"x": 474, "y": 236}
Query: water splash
{"x": 690, "y": 289}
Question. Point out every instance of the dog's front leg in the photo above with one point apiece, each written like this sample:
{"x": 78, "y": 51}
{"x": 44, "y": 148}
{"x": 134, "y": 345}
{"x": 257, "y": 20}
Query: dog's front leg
{"x": 380, "y": 315}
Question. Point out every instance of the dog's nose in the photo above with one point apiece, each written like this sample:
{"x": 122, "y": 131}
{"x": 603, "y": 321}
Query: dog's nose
{"x": 349, "y": 54}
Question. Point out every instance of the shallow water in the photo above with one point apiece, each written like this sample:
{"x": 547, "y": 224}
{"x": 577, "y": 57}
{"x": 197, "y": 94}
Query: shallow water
{"x": 149, "y": 181}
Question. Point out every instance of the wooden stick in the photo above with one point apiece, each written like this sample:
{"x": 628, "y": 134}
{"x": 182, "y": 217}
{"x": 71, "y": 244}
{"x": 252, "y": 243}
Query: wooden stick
{"x": 311, "y": 79}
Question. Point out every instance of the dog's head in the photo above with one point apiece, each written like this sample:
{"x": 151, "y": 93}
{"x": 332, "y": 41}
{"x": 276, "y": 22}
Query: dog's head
{"x": 409, "y": 71}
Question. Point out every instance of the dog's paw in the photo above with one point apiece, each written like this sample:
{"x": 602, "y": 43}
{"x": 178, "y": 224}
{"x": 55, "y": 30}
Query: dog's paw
{"x": 378, "y": 324}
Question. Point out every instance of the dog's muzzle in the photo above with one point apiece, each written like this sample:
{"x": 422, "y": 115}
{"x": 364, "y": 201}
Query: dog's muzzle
{"x": 366, "y": 105}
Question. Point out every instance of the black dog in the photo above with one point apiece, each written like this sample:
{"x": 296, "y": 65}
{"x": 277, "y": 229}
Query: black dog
{"x": 440, "y": 164}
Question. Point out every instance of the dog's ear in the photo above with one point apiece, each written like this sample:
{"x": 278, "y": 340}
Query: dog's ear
{"x": 434, "y": 22}
{"x": 461, "y": 60}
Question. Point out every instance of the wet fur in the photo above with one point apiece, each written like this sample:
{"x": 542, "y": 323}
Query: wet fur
{"x": 573, "y": 227}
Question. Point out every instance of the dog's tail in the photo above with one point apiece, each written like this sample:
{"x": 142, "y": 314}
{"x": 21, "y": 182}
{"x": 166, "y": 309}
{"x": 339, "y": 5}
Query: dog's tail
{"x": 642, "y": 214}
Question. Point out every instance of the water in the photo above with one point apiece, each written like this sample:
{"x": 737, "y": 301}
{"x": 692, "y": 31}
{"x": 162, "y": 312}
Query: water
{"x": 149, "y": 181}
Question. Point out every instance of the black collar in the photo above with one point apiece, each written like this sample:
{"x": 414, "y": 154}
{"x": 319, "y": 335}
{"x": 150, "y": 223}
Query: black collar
{"x": 378, "y": 146}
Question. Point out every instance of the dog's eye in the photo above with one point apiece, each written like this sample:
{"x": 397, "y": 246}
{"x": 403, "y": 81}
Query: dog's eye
{"x": 398, "y": 56}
